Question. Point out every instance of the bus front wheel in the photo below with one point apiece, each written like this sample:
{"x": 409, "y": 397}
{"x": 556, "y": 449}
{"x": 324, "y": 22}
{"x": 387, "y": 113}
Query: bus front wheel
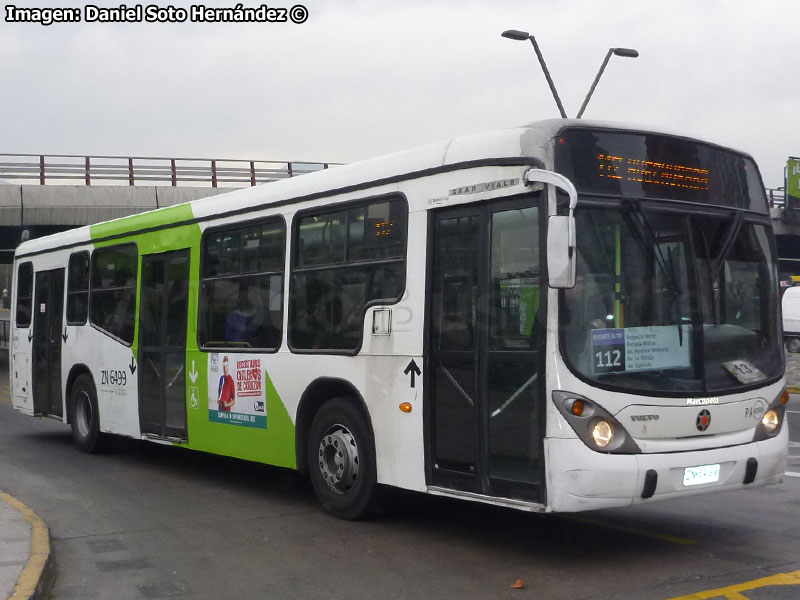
{"x": 793, "y": 344}
{"x": 341, "y": 460}
{"x": 84, "y": 416}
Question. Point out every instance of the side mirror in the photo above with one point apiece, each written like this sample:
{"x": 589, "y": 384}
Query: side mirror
{"x": 561, "y": 251}
{"x": 561, "y": 259}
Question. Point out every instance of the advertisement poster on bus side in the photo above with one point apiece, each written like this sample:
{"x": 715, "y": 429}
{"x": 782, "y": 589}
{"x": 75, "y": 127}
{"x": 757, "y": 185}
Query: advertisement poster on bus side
{"x": 237, "y": 390}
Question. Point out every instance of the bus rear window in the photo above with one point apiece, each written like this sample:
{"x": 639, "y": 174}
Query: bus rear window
{"x": 635, "y": 165}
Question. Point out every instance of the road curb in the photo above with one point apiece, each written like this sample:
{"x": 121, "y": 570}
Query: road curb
{"x": 37, "y": 577}
{"x": 793, "y": 389}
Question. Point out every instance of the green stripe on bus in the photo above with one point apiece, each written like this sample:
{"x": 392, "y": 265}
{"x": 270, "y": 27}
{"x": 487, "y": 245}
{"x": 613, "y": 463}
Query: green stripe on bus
{"x": 271, "y": 442}
{"x": 146, "y": 220}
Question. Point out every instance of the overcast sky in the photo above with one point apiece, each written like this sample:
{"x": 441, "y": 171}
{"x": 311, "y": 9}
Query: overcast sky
{"x": 362, "y": 78}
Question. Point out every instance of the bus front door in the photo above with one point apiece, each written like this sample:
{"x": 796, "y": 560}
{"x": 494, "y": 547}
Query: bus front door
{"x": 162, "y": 344}
{"x": 485, "y": 421}
{"x": 48, "y": 318}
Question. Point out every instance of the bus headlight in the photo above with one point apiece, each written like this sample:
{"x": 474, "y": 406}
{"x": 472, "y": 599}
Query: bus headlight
{"x": 771, "y": 421}
{"x": 603, "y": 433}
{"x": 594, "y": 425}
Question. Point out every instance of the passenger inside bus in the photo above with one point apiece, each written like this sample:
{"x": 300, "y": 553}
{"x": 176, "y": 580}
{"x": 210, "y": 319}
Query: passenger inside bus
{"x": 239, "y": 322}
{"x": 249, "y": 323}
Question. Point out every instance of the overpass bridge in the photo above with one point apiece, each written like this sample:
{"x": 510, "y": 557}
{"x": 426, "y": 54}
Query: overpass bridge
{"x": 787, "y": 234}
{"x": 49, "y": 193}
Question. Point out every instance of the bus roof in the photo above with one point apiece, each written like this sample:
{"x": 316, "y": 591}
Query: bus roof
{"x": 532, "y": 141}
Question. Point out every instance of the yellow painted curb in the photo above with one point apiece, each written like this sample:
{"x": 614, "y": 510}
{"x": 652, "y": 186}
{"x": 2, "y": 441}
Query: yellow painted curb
{"x": 793, "y": 389}
{"x": 30, "y": 582}
{"x": 733, "y": 592}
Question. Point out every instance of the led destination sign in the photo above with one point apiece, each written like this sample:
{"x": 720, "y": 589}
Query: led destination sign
{"x": 659, "y": 167}
{"x": 651, "y": 172}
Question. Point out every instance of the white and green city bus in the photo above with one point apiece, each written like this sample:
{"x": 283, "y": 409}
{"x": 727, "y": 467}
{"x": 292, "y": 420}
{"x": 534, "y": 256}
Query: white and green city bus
{"x": 565, "y": 316}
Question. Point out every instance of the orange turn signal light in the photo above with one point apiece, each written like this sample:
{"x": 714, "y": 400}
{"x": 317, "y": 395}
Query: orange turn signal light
{"x": 577, "y": 407}
{"x": 785, "y": 396}
{"x": 406, "y": 407}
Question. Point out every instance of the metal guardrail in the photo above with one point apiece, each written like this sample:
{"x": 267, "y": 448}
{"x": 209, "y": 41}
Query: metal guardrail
{"x": 776, "y": 197}
{"x": 133, "y": 170}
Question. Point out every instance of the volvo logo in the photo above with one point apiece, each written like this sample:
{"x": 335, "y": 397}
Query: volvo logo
{"x": 644, "y": 417}
{"x": 703, "y": 420}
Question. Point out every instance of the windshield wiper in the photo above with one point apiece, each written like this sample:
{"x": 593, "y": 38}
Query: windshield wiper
{"x": 676, "y": 305}
{"x": 727, "y": 244}
{"x": 647, "y": 239}
{"x": 710, "y": 267}
{"x": 716, "y": 264}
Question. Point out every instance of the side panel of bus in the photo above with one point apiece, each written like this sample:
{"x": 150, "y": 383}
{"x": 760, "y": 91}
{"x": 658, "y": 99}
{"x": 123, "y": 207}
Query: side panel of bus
{"x": 137, "y": 385}
{"x": 154, "y": 380}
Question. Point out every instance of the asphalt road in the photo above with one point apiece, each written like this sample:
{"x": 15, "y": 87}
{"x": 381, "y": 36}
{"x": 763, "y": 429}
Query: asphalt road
{"x": 149, "y": 521}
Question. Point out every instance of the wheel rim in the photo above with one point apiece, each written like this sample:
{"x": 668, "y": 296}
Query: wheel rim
{"x": 338, "y": 459}
{"x": 83, "y": 414}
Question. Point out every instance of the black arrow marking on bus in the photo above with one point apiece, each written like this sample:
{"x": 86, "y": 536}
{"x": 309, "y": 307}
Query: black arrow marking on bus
{"x": 413, "y": 369}
{"x": 65, "y": 336}
{"x": 30, "y": 334}
{"x": 133, "y": 366}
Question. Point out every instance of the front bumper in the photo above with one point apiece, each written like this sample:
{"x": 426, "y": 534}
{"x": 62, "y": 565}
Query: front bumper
{"x": 580, "y": 479}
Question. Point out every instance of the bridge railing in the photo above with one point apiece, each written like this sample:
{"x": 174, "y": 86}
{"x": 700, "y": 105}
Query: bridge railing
{"x": 148, "y": 170}
{"x": 776, "y": 197}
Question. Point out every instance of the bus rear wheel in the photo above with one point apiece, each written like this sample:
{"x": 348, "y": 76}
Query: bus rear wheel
{"x": 793, "y": 344}
{"x": 341, "y": 461}
{"x": 84, "y": 416}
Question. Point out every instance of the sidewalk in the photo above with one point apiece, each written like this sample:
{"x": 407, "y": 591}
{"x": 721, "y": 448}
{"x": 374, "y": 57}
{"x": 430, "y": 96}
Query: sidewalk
{"x": 26, "y": 559}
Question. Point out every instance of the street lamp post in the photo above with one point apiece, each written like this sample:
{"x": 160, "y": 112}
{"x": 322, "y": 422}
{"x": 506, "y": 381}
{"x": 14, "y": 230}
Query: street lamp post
{"x": 627, "y": 52}
{"x": 515, "y": 34}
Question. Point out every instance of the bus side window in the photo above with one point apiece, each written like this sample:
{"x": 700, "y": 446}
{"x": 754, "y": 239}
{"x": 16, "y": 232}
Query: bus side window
{"x": 24, "y": 294}
{"x": 344, "y": 259}
{"x": 112, "y": 296}
{"x": 241, "y": 298}
{"x": 78, "y": 289}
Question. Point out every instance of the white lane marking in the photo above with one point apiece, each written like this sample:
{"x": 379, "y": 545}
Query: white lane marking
{"x": 792, "y": 474}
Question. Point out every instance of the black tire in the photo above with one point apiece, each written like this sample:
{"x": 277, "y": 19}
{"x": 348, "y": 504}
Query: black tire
{"x": 793, "y": 344}
{"x": 341, "y": 460}
{"x": 84, "y": 416}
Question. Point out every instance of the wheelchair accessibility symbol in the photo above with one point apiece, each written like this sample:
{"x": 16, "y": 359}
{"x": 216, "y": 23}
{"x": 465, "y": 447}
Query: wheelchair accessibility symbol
{"x": 193, "y": 400}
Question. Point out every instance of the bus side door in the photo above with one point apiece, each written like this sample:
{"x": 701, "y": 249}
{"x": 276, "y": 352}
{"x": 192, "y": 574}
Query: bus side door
{"x": 48, "y": 317}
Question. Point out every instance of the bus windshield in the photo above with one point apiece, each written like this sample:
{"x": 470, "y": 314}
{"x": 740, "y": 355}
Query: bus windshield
{"x": 672, "y": 303}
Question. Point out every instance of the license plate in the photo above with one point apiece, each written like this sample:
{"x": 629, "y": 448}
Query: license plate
{"x": 700, "y": 475}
